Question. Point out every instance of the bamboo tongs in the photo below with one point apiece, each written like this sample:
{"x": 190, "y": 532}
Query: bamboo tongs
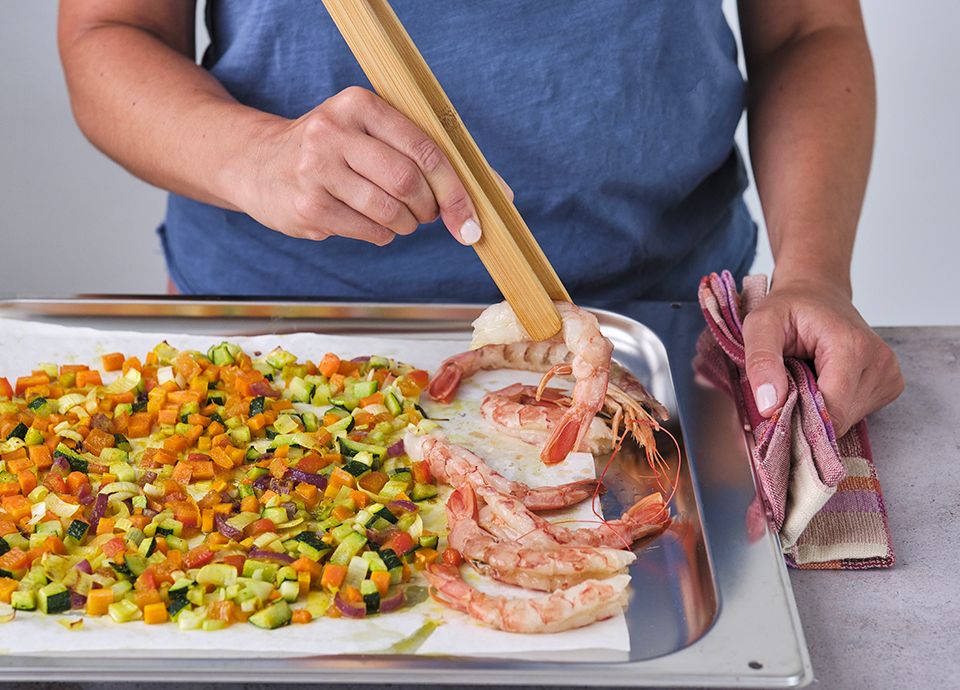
{"x": 400, "y": 75}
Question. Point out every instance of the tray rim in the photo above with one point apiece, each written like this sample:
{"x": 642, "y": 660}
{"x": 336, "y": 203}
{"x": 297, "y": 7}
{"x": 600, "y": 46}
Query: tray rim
{"x": 454, "y": 316}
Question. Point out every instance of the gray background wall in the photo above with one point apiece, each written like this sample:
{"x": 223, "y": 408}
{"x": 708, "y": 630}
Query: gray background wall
{"x": 72, "y": 221}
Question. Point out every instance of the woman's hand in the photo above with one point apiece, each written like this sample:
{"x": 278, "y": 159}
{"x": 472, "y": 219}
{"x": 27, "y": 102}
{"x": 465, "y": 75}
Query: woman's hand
{"x": 353, "y": 167}
{"x": 857, "y": 372}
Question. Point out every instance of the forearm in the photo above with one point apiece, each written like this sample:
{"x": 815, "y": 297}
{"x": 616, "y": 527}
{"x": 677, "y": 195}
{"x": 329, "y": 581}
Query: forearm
{"x": 811, "y": 120}
{"x": 154, "y": 111}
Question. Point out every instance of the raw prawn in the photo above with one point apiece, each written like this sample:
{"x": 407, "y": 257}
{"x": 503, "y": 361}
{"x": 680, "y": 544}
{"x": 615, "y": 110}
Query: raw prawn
{"x": 518, "y": 411}
{"x": 508, "y": 518}
{"x": 581, "y": 605}
{"x": 457, "y": 466}
{"x": 589, "y": 365}
{"x": 530, "y": 567}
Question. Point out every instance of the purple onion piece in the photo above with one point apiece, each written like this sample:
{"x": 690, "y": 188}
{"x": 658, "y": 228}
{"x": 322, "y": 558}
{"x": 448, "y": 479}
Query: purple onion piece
{"x": 85, "y": 495}
{"x": 392, "y": 602}
{"x": 99, "y": 509}
{"x": 363, "y": 358}
{"x": 396, "y": 449}
{"x": 263, "y": 388}
{"x": 262, "y": 482}
{"x": 84, "y": 567}
{"x": 348, "y": 609}
{"x": 77, "y": 601}
{"x": 147, "y": 478}
{"x": 149, "y": 512}
{"x": 61, "y": 465}
{"x": 318, "y": 480}
{"x": 290, "y": 508}
{"x": 270, "y": 556}
{"x": 403, "y": 506}
{"x": 226, "y": 529}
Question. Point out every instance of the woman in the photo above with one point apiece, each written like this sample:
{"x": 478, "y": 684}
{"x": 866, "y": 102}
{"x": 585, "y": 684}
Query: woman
{"x": 613, "y": 121}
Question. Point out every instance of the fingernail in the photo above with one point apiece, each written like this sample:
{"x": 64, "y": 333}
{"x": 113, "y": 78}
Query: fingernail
{"x": 766, "y": 397}
{"x": 470, "y": 231}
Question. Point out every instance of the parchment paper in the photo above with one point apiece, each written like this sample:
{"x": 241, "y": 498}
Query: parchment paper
{"x": 23, "y": 345}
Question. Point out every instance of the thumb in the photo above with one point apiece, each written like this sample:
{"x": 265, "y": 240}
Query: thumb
{"x": 763, "y": 339}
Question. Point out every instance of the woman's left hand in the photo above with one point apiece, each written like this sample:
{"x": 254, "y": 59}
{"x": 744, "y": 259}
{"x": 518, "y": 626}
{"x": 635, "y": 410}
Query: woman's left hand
{"x": 857, "y": 372}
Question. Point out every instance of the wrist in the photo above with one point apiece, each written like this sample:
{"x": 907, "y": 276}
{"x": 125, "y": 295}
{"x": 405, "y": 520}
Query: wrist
{"x": 236, "y": 176}
{"x": 823, "y": 273}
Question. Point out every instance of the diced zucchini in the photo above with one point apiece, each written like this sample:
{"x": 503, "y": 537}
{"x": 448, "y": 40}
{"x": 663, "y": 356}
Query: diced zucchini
{"x": 299, "y": 390}
{"x": 371, "y": 596}
{"x": 311, "y": 422}
{"x": 290, "y": 590}
{"x": 53, "y": 598}
{"x": 77, "y": 463}
{"x": 33, "y": 437}
{"x": 278, "y": 358}
{"x": 276, "y": 515}
{"x": 429, "y": 542}
{"x": 350, "y": 448}
{"x": 19, "y": 431}
{"x": 274, "y": 616}
{"x": 218, "y": 574}
{"x": 356, "y": 571}
{"x": 392, "y": 404}
{"x": 422, "y": 492}
{"x": 124, "y": 611}
{"x": 363, "y": 389}
{"x": 348, "y": 548}
{"x": 259, "y": 570}
{"x": 23, "y": 600}
{"x": 357, "y": 466}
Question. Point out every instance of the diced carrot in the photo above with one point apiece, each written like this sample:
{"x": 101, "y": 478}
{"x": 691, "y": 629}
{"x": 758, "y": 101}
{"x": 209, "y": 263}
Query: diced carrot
{"x": 53, "y": 544}
{"x": 343, "y": 477}
{"x": 375, "y": 399}
{"x": 424, "y": 557}
{"x": 373, "y": 481}
{"x": 6, "y": 390}
{"x": 198, "y": 420}
{"x": 305, "y": 565}
{"x": 90, "y": 377}
{"x": 381, "y": 578}
{"x": 25, "y": 382}
{"x": 221, "y": 457}
{"x": 336, "y": 382}
{"x": 281, "y": 452}
{"x": 168, "y": 416}
{"x": 155, "y": 613}
{"x": 105, "y": 526}
{"x": 41, "y": 456}
{"x": 146, "y": 597}
{"x": 202, "y": 469}
{"x": 16, "y": 507}
{"x": 333, "y": 488}
{"x": 112, "y": 361}
{"x": 301, "y": 616}
{"x": 176, "y": 444}
{"x": 421, "y": 472}
{"x": 360, "y": 498}
{"x": 16, "y": 559}
{"x": 348, "y": 368}
{"x": 278, "y": 467}
{"x": 7, "y": 527}
{"x": 139, "y": 425}
{"x": 333, "y": 576}
{"x": 257, "y": 422}
{"x": 7, "y": 587}
{"x": 250, "y": 504}
{"x": 308, "y": 492}
{"x": 215, "y": 429}
{"x": 182, "y": 472}
{"x": 351, "y": 594}
{"x": 27, "y": 480}
{"x": 341, "y": 512}
{"x": 55, "y": 483}
{"x": 131, "y": 363}
{"x": 329, "y": 364}
{"x": 98, "y": 600}
{"x": 75, "y": 480}
{"x": 139, "y": 521}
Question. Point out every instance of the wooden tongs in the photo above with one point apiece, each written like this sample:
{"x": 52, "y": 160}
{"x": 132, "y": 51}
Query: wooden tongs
{"x": 400, "y": 75}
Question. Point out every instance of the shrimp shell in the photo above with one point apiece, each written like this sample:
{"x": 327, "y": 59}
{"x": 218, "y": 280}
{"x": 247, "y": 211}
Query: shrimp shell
{"x": 580, "y": 605}
{"x": 533, "y": 568}
{"x": 457, "y": 466}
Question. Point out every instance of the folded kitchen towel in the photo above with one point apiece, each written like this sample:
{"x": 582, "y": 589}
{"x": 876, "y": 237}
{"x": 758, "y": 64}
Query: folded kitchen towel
{"x": 820, "y": 493}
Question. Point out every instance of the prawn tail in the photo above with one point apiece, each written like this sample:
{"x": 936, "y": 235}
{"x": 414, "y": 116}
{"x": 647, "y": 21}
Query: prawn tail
{"x": 565, "y": 437}
{"x": 445, "y": 382}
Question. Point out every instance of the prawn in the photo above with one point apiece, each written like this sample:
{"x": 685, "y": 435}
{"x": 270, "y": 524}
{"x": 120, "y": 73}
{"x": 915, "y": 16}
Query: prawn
{"x": 507, "y": 518}
{"x": 532, "y": 568}
{"x": 589, "y": 365}
{"x": 518, "y": 411}
{"x": 580, "y": 605}
{"x": 457, "y": 466}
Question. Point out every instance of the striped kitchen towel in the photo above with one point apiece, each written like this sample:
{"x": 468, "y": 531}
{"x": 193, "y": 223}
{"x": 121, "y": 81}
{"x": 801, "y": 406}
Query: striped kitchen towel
{"x": 820, "y": 493}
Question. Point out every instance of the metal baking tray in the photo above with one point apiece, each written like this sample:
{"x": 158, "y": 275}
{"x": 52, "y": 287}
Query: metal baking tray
{"x": 712, "y": 604}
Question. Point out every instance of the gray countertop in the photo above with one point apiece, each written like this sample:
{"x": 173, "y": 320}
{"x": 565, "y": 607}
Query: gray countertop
{"x": 898, "y": 627}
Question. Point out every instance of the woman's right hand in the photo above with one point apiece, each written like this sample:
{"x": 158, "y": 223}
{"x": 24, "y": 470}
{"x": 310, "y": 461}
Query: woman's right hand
{"x": 354, "y": 167}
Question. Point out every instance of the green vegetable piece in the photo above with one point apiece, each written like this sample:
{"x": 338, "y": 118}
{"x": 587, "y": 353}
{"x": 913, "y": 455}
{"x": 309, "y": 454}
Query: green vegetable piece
{"x": 274, "y": 616}
{"x": 54, "y": 598}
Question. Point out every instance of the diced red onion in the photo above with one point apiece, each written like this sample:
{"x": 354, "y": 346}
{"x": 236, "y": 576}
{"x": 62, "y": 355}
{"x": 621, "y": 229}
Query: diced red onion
{"x": 85, "y": 495}
{"x": 61, "y": 465}
{"x": 380, "y": 537}
{"x": 263, "y": 388}
{"x": 149, "y": 512}
{"x": 197, "y": 457}
{"x": 99, "y": 509}
{"x": 318, "y": 480}
{"x": 270, "y": 556}
{"x": 348, "y": 609}
{"x": 358, "y": 360}
{"x": 290, "y": 508}
{"x": 396, "y": 449}
{"x": 84, "y": 567}
{"x": 77, "y": 601}
{"x": 147, "y": 478}
{"x": 226, "y": 529}
{"x": 392, "y": 602}
{"x": 262, "y": 482}
{"x": 404, "y": 506}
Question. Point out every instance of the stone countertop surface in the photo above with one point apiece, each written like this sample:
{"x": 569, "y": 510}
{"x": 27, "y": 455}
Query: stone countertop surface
{"x": 896, "y": 628}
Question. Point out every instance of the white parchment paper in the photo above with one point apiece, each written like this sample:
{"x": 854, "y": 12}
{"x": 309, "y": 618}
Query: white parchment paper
{"x": 23, "y": 345}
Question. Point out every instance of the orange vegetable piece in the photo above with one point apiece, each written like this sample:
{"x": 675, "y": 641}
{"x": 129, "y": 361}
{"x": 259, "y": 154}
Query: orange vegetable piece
{"x": 424, "y": 557}
{"x": 105, "y": 526}
{"x": 333, "y": 576}
{"x": 381, "y": 579}
{"x": 41, "y": 457}
{"x": 112, "y": 361}
{"x": 16, "y": 559}
{"x": 53, "y": 544}
{"x": 278, "y": 467}
{"x": 139, "y": 425}
{"x": 329, "y": 364}
{"x": 360, "y": 498}
{"x": 309, "y": 493}
{"x": 421, "y": 472}
{"x": 182, "y": 472}
{"x": 18, "y": 464}
{"x": 27, "y": 480}
{"x": 75, "y": 480}
{"x": 419, "y": 377}
{"x": 98, "y": 600}
{"x": 17, "y": 507}
{"x": 373, "y": 481}
{"x": 7, "y": 587}
{"x": 341, "y": 512}
{"x": 250, "y": 504}
{"x": 25, "y": 382}
{"x": 374, "y": 399}
{"x": 342, "y": 477}
{"x": 301, "y": 616}
{"x": 221, "y": 610}
{"x": 167, "y": 416}
{"x": 155, "y": 613}
{"x": 305, "y": 565}
{"x": 90, "y": 377}
{"x": 6, "y": 390}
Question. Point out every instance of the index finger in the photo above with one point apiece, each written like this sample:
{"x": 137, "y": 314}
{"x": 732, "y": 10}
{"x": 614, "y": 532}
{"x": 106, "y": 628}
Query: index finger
{"x": 456, "y": 208}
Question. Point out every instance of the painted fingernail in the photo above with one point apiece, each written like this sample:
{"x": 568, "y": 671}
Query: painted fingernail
{"x": 470, "y": 231}
{"x": 766, "y": 397}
